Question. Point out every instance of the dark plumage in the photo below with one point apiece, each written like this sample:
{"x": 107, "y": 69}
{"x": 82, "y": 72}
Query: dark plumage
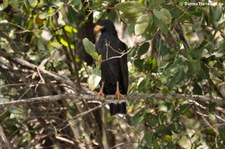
{"x": 114, "y": 70}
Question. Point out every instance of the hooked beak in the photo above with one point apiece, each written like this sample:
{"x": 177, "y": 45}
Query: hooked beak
{"x": 98, "y": 28}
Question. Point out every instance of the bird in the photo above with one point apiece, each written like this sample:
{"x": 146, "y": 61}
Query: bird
{"x": 114, "y": 69}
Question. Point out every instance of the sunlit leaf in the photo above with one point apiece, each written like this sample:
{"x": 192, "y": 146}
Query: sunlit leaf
{"x": 59, "y": 4}
{"x": 4, "y": 4}
{"x": 94, "y": 79}
{"x": 90, "y": 48}
{"x": 142, "y": 24}
{"x": 64, "y": 42}
{"x": 70, "y": 29}
{"x": 168, "y": 138}
{"x": 61, "y": 19}
{"x": 43, "y": 15}
{"x": 184, "y": 142}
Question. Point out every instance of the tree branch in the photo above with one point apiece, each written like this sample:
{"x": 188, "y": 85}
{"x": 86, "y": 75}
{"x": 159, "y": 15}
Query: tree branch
{"x": 29, "y": 65}
{"x": 108, "y": 98}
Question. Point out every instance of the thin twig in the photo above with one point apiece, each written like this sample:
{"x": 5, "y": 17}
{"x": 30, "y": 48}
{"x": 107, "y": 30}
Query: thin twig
{"x": 75, "y": 119}
{"x": 115, "y": 57}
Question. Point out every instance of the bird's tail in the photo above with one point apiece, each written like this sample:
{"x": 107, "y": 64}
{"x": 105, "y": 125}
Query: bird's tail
{"x": 117, "y": 107}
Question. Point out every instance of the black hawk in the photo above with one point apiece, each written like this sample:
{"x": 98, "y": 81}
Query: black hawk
{"x": 114, "y": 65}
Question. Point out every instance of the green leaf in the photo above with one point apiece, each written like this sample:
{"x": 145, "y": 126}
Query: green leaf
{"x": 178, "y": 77}
{"x": 196, "y": 65}
{"x": 90, "y": 48}
{"x": 112, "y": 15}
{"x": 142, "y": 24}
{"x": 158, "y": 14}
{"x": 71, "y": 14}
{"x": 159, "y": 23}
{"x": 165, "y": 52}
{"x": 148, "y": 138}
{"x": 163, "y": 15}
{"x": 138, "y": 63}
{"x": 138, "y": 118}
{"x": 76, "y": 2}
{"x": 216, "y": 12}
{"x": 143, "y": 48}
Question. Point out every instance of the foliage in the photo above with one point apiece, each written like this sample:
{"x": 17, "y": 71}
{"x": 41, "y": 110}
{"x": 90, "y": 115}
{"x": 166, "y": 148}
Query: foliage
{"x": 181, "y": 52}
{"x": 193, "y": 67}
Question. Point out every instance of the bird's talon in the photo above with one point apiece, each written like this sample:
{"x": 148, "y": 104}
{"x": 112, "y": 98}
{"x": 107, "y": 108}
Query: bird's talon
{"x": 100, "y": 94}
{"x": 118, "y": 95}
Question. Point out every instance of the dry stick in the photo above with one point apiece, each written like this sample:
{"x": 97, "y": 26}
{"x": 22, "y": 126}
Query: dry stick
{"x": 4, "y": 142}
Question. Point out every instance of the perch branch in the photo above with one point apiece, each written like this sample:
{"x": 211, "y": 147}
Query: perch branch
{"x": 108, "y": 98}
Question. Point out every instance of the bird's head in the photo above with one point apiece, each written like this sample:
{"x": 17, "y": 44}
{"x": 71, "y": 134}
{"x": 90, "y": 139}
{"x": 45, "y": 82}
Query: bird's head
{"x": 105, "y": 26}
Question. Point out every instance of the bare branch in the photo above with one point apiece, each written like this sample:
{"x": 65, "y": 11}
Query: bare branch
{"x": 29, "y": 65}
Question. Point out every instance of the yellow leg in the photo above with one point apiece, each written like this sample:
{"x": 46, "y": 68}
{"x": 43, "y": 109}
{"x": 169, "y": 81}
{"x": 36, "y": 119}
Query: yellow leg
{"x": 118, "y": 94}
{"x": 101, "y": 90}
